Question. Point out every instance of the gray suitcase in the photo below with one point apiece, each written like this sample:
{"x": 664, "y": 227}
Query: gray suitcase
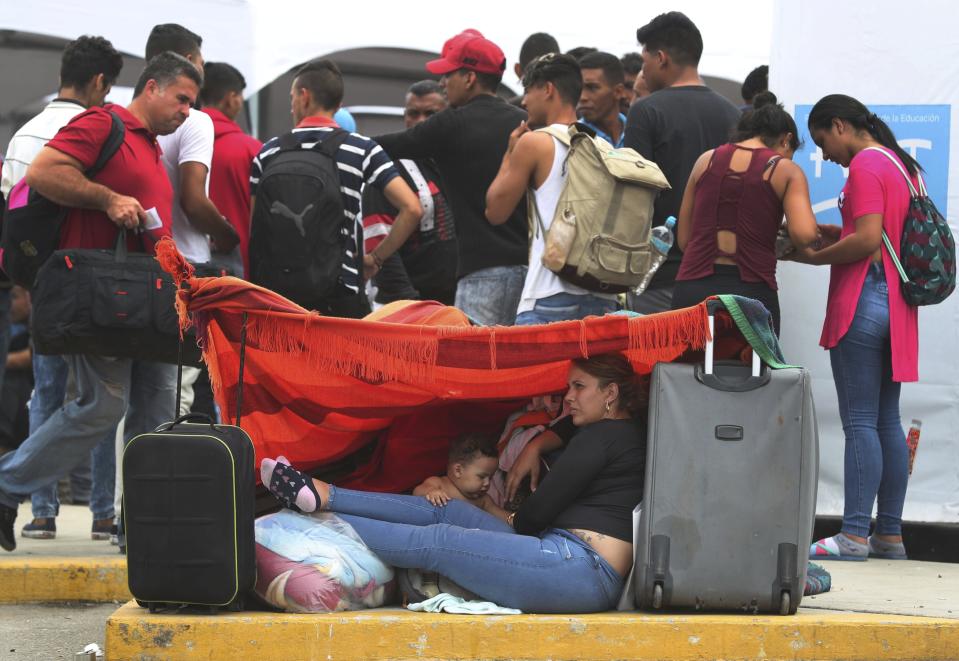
{"x": 730, "y": 494}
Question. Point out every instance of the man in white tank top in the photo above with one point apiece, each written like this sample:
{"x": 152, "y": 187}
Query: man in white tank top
{"x": 534, "y": 162}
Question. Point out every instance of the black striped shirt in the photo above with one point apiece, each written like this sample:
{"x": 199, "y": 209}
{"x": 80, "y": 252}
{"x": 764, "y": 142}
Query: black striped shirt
{"x": 361, "y": 161}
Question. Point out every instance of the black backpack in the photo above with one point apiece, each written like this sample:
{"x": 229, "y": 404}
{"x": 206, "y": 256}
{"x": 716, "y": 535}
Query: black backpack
{"x": 31, "y": 224}
{"x": 296, "y": 235}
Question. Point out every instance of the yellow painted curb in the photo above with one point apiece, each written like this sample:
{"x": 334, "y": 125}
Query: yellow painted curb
{"x": 135, "y": 635}
{"x": 25, "y": 579}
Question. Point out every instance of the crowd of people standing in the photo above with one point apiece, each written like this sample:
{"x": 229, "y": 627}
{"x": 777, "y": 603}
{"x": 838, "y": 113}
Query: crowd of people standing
{"x": 440, "y": 211}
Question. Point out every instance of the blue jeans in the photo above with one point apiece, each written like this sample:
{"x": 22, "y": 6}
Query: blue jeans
{"x": 876, "y": 458}
{"x": 554, "y": 573}
{"x": 563, "y": 307}
{"x": 491, "y": 296}
{"x": 651, "y": 301}
{"x": 106, "y": 388}
{"x": 49, "y": 391}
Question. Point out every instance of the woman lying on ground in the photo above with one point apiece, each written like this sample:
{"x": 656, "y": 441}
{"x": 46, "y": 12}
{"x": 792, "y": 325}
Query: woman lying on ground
{"x": 569, "y": 547}
{"x": 733, "y": 207}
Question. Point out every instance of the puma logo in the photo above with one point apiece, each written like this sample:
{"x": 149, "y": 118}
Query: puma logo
{"x": 281, "y": 209}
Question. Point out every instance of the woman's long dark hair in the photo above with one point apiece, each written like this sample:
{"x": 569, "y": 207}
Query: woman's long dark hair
{"x": 768, "y": 121}
{"x": 615, "y": 368}
{"x": 861, "y": 118}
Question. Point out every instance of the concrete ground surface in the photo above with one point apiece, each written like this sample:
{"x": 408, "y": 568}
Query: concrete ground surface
{"x": 73, "y": 535}
{"x": 905, "y": 610}
{"x": 41, "y": 632}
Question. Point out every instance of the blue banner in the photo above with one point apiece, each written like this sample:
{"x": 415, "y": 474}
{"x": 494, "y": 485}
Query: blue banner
{"x": 922, "y": 131}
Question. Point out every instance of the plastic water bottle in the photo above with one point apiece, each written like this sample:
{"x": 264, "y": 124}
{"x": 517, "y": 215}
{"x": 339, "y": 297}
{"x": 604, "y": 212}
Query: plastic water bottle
{"x": 661, "y": 241}
{"x": 912, "y": 441}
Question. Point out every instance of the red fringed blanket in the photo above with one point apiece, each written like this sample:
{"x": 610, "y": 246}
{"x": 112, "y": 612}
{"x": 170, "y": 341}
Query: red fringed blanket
{"x": 414, "y": 374}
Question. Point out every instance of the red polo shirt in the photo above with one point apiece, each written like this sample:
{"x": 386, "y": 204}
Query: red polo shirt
{"x": 135, "y": 170}
{"x": 233, "y": 153}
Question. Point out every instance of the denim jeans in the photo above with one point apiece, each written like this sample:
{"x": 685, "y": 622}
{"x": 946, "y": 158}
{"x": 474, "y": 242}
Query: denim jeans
{"x": 563, "y": 307}
{"x": 491, "y": 296}
{"x": 50, "y": 383}
{"x": 651, "y": 301}
{"x": 106, "y": 388}
{"x": 554, "y": 573}
{"x": 876, "y": 458}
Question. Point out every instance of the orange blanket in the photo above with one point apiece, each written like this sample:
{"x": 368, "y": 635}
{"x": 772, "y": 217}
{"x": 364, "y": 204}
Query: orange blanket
{"x": 413, "y": 375}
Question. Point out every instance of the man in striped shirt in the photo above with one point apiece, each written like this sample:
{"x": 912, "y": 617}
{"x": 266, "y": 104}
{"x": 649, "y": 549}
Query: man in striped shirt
{"x": 315, "y": 96}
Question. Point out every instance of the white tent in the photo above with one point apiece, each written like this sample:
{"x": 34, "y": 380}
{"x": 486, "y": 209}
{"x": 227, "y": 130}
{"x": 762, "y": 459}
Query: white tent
{"x": 264, "y": 38}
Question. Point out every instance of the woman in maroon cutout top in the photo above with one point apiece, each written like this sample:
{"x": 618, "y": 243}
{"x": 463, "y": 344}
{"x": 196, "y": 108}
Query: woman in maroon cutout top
{"x": 733, "y": 207}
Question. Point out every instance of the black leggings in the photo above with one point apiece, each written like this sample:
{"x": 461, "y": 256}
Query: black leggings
{"x": 725, "y": 280}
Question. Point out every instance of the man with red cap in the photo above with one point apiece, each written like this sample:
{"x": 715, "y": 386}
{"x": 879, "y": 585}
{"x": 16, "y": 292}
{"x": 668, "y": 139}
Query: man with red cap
{"x": 467, "y": 142}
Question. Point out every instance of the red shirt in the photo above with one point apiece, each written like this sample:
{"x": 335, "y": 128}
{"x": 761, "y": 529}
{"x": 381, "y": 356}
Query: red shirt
{"x": 135, "y": 170}
{"x": 233, "y": 153}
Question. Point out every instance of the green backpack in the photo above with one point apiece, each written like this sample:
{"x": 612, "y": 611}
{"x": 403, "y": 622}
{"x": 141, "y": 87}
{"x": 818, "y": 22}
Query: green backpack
{"x": 928, "y": 248}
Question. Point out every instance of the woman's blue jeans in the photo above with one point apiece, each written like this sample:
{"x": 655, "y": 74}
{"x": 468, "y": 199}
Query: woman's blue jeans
{"x": 555, "y": 573}
{"x": 876, "y": 459}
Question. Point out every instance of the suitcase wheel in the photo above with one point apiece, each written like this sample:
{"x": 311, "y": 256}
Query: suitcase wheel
{"x": 784, "y": 603}
{"x": 658, "y": 596}
{"x": 236, "y": 606}
{"x": 153, "y": 607}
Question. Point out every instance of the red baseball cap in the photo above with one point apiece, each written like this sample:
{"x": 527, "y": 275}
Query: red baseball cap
{"x": 469, "y": 50}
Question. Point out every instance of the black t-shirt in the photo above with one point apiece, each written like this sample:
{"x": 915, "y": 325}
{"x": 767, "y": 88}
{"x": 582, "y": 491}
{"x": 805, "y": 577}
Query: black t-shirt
{"x": 467, "y": 143}
{"x": 673, "y": 127}
{"x": 594, "y": 485}
{"x": 424, "y": 268}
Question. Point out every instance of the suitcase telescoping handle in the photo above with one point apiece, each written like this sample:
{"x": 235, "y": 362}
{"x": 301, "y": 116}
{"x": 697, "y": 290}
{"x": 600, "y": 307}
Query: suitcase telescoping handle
{"x": 726, "y": 377}
{"x": 177, "y": 418}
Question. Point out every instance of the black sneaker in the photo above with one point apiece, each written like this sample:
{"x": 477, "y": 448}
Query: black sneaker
{"x": 8, "y": 540}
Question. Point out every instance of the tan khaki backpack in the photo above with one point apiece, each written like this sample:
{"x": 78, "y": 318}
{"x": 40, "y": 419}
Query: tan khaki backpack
{"x": 599, "y": 237}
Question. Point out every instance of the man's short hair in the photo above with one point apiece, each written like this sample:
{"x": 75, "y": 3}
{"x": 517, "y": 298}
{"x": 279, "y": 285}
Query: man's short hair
{"x": 561, "y": 70}
{"x": 488, "y": 81}
{"x": 87, "y": 57}
{"x": 172, "y": 37}
{"x": 538, "y": 43}
{"x": 323, "y": 80}
{"x": 465, "y": 448}
{"x": 219, "y": 79}
{"x": 674, "y": 33}
{"x": 757, "y": 81}
{"x": 632, "y": 63}
{"x": 580, "y": 51}
{"x": 425, "y": 88}
{"x": 611, "y": 66}
{"x": 165, "y": 68}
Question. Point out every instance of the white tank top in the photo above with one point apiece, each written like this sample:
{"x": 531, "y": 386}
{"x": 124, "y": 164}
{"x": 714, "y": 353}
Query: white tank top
{"x": 540, "y": 281}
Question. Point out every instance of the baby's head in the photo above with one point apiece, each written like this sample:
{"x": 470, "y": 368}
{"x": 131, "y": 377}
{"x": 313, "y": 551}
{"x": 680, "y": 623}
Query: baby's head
{"x": 472, "y": 463}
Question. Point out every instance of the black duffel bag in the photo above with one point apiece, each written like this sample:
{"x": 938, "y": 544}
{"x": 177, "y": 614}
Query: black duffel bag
{"x": 107, "y": 303}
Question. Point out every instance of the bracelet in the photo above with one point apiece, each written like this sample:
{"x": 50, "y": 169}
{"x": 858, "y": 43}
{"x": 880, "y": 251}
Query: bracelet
{"x": 509, "y": 519}
{"x": 376, "y": 259}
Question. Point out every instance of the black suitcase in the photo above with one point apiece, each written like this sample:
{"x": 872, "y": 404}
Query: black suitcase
{"x": 188, "y": 512}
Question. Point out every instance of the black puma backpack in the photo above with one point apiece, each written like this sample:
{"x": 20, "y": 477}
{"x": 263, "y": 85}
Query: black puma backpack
{"x": 296, "y": 237}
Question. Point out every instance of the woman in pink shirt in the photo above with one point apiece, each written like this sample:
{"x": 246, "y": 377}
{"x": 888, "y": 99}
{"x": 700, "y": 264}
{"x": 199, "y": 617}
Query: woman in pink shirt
{"x": 870, "y": 331}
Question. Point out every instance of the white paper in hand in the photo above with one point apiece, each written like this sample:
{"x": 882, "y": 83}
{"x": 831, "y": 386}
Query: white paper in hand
{"x": 153, "y": 221}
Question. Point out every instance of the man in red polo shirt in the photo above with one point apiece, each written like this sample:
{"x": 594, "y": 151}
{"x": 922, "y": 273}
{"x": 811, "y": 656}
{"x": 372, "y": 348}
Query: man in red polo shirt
{"x": 233, "y": 152}
{"x": 131, "y": 192}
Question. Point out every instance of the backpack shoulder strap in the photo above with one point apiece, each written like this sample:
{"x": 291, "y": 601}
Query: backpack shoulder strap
{"x": 287, "y": 142}
{"x": 894, "y": 161}
{"x": 330, "y": 145}
{"x": 111, "y": 146}
{"x": 558, "y": 133}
